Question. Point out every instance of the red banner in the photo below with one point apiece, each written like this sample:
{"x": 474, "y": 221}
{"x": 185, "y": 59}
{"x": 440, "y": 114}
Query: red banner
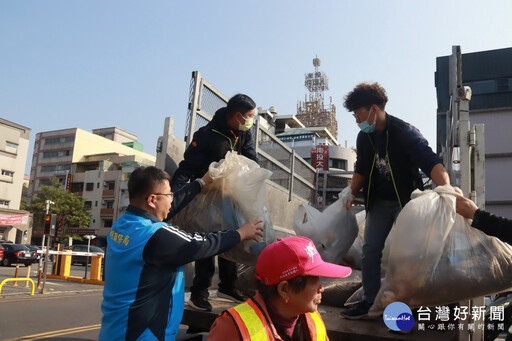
{"x": 320, "y": 157}
{"x": 20, "y": 219}
{"x": 69, "y": 178}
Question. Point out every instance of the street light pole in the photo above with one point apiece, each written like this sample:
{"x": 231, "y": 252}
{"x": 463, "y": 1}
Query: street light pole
{"x": 46, "y": 254}
{"x": 88, "y": 237}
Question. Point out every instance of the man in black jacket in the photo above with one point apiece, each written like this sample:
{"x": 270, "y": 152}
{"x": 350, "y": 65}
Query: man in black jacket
{"x": 486, "y": 222}
{"x": 389, "y": 155}
{"x": 228, "y": 131}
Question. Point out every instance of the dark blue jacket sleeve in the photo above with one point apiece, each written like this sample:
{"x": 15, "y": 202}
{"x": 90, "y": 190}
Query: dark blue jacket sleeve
{"x": 493, "y": 225}
{"x": 360, "y": 166}
{"x": 182, "y": 197}
{"x": 193, "y": 163}
{"x": 170, "y": 247}
{"x": 417, "y": 149}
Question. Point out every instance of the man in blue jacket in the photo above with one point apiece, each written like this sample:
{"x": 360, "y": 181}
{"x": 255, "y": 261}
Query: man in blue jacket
{"x": 229, "y": 130}
{"x": 143, "y": 296}
{"x": 389, "y": 155}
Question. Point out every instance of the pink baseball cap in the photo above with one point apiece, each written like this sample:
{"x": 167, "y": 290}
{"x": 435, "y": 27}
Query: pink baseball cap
{"x": 293, "y": 256}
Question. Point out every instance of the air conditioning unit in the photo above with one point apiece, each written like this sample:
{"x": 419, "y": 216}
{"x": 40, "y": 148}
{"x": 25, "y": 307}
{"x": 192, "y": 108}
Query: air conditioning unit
{"x": 105, "y": 184}
{"x": 103, "y": 202}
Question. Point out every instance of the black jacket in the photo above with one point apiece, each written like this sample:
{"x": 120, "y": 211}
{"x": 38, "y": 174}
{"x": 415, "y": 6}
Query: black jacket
{"x": 210, "y": 144}
{"x": 493, "y": 225}
{"x": 407, "y": 151}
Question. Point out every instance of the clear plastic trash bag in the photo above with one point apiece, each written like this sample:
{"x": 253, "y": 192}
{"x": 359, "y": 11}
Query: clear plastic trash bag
{"x": 434, "y": 256}
{"x": 236, "y": 197}
{"x": 333, "y": 230}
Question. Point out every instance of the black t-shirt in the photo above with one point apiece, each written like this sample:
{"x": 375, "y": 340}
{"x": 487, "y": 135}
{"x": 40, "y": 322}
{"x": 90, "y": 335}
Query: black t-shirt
{"x": 383, "y": 184}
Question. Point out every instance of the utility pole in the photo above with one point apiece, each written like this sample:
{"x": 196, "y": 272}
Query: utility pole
{"x": 47, "y": 251}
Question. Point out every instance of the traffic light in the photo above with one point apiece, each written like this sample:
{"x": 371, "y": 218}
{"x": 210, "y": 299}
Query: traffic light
{"x": 49, "y": 224}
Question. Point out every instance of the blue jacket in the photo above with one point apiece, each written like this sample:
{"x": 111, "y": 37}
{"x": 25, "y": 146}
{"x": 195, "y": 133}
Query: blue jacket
{"x": 406, "y": 150}
{"x": 143, "y": 297}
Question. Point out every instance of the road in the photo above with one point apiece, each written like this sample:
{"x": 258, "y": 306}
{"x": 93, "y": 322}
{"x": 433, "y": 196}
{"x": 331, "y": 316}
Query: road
{"x": 64, "y": 317}
{"x": 67, "y": 310}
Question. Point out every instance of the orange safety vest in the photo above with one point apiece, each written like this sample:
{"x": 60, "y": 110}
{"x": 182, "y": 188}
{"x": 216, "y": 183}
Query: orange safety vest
{"x": 252, "y": 323}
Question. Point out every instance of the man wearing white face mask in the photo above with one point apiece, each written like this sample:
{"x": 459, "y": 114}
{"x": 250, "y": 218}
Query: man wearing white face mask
{"x": 228, "y": 130}
{"x": 390, "y": 153}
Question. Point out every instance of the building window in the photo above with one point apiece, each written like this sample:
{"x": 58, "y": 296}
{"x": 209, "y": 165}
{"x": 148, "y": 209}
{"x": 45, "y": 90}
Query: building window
{"x": 54, "y": 168}
{"x": 96, "y": 203}
{"x": 89, "y": 186}
{"x": 111, "y": 185}
{"x": 77, "y": 187}
{"x": 11, "y": 147}
{"x": 4, "y": 203}
{"x": 107, "y": 223}
{"x": 98, "y": 185}
{"x": 88, "y": 204}
{"x": 7, "y": 173}
{"x": 337, "y": 163}
{"x": 126, "y": 176}
{"x": 56, "y": 140}
{"x": 56, "y": 153}
{"x": 109, "y": 204}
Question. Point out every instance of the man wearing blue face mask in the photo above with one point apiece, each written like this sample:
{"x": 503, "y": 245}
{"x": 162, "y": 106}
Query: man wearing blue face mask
{"x": 229, "y": 130}
{"x": 390, "y": 153}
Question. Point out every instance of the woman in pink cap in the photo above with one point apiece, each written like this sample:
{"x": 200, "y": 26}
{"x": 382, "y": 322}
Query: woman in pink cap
{"x": 289, "y": 292}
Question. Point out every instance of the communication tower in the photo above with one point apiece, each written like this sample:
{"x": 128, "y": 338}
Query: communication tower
{"x": 313, "y": 112}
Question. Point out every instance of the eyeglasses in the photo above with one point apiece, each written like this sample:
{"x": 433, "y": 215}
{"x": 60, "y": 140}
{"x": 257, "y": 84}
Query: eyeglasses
{"x": 169, "y": 195}
{"x": 356, "y": 117}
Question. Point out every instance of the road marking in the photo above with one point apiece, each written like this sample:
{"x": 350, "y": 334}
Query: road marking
{"x": 56, "y": 333}
{"x": 52, "y": 297}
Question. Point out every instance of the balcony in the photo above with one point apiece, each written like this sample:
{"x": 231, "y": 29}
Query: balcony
{"x": 108, "y": 193}
{"x": 106, "y": 212}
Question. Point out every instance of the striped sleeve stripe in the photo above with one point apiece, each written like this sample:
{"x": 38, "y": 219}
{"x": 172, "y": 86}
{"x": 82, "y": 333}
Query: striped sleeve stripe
{"x": 184, "y": 235}
{"x": 178, "y": 232}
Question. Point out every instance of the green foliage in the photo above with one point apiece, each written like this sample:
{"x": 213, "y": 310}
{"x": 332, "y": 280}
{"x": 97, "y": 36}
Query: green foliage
{"x": 69, "y": 205}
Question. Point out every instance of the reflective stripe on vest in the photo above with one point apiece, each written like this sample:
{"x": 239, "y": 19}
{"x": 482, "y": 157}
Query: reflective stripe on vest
{"x": 252, "y": 324}
{"x": 316, "y": 326}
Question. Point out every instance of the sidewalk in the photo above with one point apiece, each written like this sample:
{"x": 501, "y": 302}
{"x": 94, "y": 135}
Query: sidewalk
{"x": 52, "y": 286}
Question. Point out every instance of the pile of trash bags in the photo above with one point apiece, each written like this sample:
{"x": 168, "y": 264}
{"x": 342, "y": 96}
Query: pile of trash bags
{"x": 434, "y": 256}
{"x": 237, "y": 196}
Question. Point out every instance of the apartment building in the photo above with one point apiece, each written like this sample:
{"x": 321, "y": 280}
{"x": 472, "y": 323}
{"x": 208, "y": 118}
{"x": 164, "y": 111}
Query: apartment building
{"x": 14, "y": 139}
{"x": 94, "y": 165}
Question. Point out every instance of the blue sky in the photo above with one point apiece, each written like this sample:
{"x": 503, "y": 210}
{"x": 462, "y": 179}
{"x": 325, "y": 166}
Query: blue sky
{"x": 92, "y": 64}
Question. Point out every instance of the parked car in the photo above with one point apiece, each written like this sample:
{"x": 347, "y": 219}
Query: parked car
{"x": 34, "y": 250}
{"x": 83, "y": 248}
{"x": 17, "y": 253}
{"x": 1, "y": 253}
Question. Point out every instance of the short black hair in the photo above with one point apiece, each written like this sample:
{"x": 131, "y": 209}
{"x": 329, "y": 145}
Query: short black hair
{"x": 144, "y": 179}
{"x": 239, "y": 103}
{"x": 366, "y": 95}
{"x": 297, "y": 284}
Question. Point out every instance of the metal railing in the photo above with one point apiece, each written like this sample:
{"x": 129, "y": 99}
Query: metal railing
{"x": 288, "y": 169}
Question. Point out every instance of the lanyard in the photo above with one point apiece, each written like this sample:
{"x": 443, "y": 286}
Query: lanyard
{"x": 231, "y": 144}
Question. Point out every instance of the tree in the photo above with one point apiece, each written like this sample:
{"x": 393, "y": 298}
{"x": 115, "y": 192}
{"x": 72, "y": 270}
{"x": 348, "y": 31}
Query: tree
{"x": 68, "y": 205}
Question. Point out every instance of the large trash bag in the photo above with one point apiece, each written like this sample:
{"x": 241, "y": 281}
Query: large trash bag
{"x": 333, "y": 231}
{"x": 237, "y": 196}
{"x": 338, "y": 290}
{"x": 435, "y": 257}
{"x": 354, "y": 254}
